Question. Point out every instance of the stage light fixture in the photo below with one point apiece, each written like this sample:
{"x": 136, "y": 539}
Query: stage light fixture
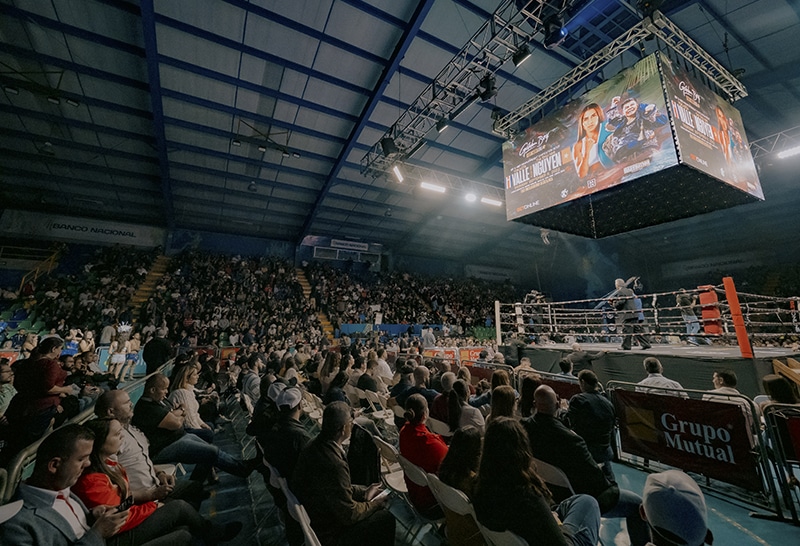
{"x": 490, "y": 201}
{"x": 489, "y": 86}
{"x": 236, "y": 142}
{"x": 432, "y": 187}
{"x": 471, "y": 197}
{"x": 11, "y": 90}
{"x": 521, "y": 55}
{"x": 295, "y": 155}
{"x": 789, "y": 152}
{"x": 389, "y": 147}
{"x": 442, "y": 124}
{"x": 262, "y": 149}
{"x": 72, "y": 102}
{"x": 398, "y": 173}
{"x": 285, "y": 153}
{"x": 554, "y": 31}
{"x": 53, "y": 100}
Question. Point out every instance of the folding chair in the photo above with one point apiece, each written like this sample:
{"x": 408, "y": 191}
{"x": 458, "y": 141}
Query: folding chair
{"x": 438, "y": 427}
{"x": 420, "y": 478}
{"x": 392, "y": 477}
{"x": 453, "y": 500}
{"x": 501, "y": 538}
{"x": 553, "y": 475}
{"x": 299, "y": 513}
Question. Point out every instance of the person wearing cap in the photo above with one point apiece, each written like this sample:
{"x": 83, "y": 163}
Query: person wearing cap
{"x": 284, "y": 442}
{"x": 675, "y": 510}
{"x": 341, "y": 513}
{"x": 265, "y": 412}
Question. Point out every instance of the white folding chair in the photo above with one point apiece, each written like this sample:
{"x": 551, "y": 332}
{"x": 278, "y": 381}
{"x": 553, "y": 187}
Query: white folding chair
{"x": 452, "y": 499}
{"x": 352, "y": 395}
{"x": 299, "y": 513}
{"x": 420, "y": 478}
{"x": 393, "y": 476}
{"x": 553, "y": 475}
{"x": 501, "y": 538}
{"x": 438, "y": 427}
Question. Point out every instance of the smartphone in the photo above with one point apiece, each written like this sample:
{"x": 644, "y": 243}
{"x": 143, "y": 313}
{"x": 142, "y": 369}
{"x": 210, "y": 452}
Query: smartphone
{"x": 124, "y": 505}
{"x": 384, "y": 493}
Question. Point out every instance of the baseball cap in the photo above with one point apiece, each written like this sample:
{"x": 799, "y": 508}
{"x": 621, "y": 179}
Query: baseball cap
{"x": 675, "y": 508}
{"x": 275, "y": 389}
{"x": 289, "y": 398}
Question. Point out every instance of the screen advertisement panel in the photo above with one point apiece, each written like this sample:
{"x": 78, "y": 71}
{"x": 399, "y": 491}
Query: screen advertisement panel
{"x": 614, "y": 133}
{"x": 709, "y": 130}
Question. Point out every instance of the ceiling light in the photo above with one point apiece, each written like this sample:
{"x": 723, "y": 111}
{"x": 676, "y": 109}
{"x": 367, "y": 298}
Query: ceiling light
{"x": 554, "y": 31}
{"x": 489, "y": 86}
{"x": 72, "y": 102}
{"x": 521, "y": 55}
{"x": 236, "y": 142}
{"x": 442, "y": 124}
{"x": 53, "y": 100}
{"x": 471, "y": 197}
{"x": 490, "y": 201}
{"x": 433, "y": 187}
{"x": 285, "y": 153}
{"x": 398, "y": 173}
{"x": 789, "y": 152}
{"x": 262, "y": 149}
{"x": 295, "y": 155}
{"x": 252, "y": 186}
{"x": 389, "y": 146}
{"x": 11, "y": 90}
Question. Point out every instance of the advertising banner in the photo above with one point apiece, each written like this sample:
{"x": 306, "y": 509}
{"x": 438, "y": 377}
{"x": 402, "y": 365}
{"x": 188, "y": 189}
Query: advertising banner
{"x": 709, "y": 131}
{"x": 614, "y": 133}
{"x": 450, "y": 353}
{"x": 67, "y": 228}
{"x": 710, "y": 438}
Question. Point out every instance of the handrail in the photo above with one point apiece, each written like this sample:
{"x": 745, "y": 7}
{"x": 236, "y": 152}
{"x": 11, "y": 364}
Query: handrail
{"x": 49, "y": 263}
{"x": 27, "y": 455}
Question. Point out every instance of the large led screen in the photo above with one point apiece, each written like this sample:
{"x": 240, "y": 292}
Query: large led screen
{"x": 709, "y": 131}
{"x": 614, "y": 133}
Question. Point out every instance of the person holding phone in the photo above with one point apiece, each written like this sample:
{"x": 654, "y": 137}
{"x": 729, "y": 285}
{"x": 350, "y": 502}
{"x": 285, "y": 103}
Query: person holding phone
{"x": 105, "y": 482}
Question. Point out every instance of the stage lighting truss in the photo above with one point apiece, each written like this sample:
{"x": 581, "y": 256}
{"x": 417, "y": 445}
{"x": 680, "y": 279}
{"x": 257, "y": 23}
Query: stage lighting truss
{"x": 657, "y": 25}
{"x": 779, "y": 143}
{"x": 458, "y": 84}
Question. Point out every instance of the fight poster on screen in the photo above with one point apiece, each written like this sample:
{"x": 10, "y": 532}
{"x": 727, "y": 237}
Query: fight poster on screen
{"x": 709, "y": 130}
{"x": 614, "y": 133}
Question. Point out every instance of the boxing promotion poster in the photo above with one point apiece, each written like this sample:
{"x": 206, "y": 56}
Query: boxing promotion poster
{"x": 614, "y": 133}
{"x": 709, "y": 131}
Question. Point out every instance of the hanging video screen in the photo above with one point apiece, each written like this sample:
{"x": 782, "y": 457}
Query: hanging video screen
{"x": 709, "y": 131}
{"x": 617, "y": 132}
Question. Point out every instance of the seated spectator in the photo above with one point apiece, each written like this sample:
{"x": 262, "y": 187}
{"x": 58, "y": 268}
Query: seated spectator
{"x": 459, "y": 469}
{"x": 530, "y": 382}
{"x": 655, "y": 378}
{"x": 335, "y": 392}
{"x": 554, "y": 443}
{"x": 510, "y": 495}
{"x": 169, "y": 442}
{"x": 565, "y": 365}
{"x": 421, "y": 376}
{"x": 504, "y": 403}
{"x": 330, "y": 367}
{"x": 499, "y": 377}
{"x": 440, "y": 403}
{"x": 724, "y": 384}
{"x": 591, "y": 415}
{"x": 675, "y": 510}
{"x": 182, "y": 395}
{"x": 464, "y": 374}
{"x": 7, "y": 390}
{"x": 459, "y": 413}
{"x": 341, "y": 513}
{"x": 265, "y": 414}
{"x": 134, "y": 455}
{"x": 424, "y": 449}
{"x": 250, "y": 378}
{"x": 105, "y": 482}
{"x": 368, "y": 380}
{"x": 51, "y": 514}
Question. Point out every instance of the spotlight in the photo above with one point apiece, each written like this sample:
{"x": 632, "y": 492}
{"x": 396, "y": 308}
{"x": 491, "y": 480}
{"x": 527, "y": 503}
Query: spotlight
{"x": 11, "y": 90}
{"x": 490, "y": 201}
{"x": 398, "y": 173}
{"x": 252, "y": 187}
{"x": 72, "y": 102}
{"x": 236, "y": 142}
{"x": 389, "y": 147}
{"x": 285, "y": 153}
{"x": 442, "y": 124}
{"x": 262, "y": 149}
{"x": 789, "y": 152}
{"x": 488, "y": 84}
{"x": 53, "y": 100}
{"x": 521, "y": 55}
{"x": 554, "y": 31}
{"x": 471, "y": 197}
{"x": 433, "y": 187}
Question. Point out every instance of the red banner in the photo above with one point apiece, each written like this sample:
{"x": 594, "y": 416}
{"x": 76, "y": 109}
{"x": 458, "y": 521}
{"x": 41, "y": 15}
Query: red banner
{"x": 564, "y": 389}
{"x": 710, "y": 438}
{"x": 12, "y": 356}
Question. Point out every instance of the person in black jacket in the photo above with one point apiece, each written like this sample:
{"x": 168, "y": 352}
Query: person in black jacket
{"x": 591, "y": 415}
{"x": 625, "y": 305}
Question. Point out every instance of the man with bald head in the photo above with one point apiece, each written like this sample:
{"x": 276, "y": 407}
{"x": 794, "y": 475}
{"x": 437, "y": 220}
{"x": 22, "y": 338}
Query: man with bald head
{"x": 554, "y": 443}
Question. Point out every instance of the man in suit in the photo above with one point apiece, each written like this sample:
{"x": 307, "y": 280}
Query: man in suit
{"x": 341, "y": 513}
{"x": 627, "y": 314}
{"x": 554, "y": 443}
{"x": 50, "y": 513}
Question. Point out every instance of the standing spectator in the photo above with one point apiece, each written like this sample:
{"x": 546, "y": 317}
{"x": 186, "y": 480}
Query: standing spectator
{"x": 157, "y": 351}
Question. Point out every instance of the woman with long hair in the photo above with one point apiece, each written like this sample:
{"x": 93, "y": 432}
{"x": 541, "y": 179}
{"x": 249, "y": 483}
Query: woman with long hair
{"x": 329, "y": 370}
{"x": 510, "y": 495}
{"x": 181, "y": 394}
{"x": 459, "y": 469}
{"x": 504, "y": 402}
{"x": 424, "y": 449}
{"x": 105, "y": 482}
{"x": 586, "y": 152}
{"x": 529, "y": 384}
{"x": 459, "y": 413}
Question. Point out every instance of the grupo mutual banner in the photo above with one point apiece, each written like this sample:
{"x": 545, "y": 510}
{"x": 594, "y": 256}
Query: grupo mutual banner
{"x": 614, "y": 133}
